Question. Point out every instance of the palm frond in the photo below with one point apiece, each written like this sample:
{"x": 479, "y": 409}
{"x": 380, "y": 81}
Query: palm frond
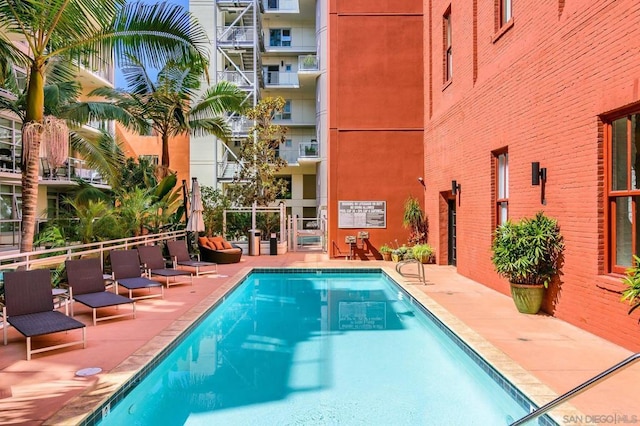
{"x": 216, "y": 126}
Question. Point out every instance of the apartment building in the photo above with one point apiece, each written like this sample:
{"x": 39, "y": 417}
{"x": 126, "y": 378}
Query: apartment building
{"x": 54, "y": 183}
{"x": 531, "y": 107}
{"x": 270, "y": 48}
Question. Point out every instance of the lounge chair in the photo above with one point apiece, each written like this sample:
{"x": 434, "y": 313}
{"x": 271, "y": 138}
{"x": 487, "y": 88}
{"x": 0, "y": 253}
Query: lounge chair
{"x": 154, "y": 264}
{"x": 125, "y": 266}
{"x": 180, "y": 257}
{"x": 218, "y": 250}
{"x": 86, "y": 285}
{"x": 29, "y": 309}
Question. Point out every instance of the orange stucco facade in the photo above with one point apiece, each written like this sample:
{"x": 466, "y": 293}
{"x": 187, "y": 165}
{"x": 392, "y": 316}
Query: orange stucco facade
{"x": 135, "y": 145}
{"x": 375, "y": 136}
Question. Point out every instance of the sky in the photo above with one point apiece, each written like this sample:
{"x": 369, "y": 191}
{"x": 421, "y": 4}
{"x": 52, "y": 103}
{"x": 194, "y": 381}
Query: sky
{"x": 119, "y": 78}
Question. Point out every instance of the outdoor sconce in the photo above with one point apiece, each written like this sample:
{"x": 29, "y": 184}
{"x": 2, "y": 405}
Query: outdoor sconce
{"x": 455, "y": 187}
{"x": 537, "y": 173}
{"x": 421, "y": 180}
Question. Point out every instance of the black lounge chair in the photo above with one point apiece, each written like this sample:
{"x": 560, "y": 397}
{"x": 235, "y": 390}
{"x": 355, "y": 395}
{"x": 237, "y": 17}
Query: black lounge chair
{"x": 154, "y": 264}
{"x": 86, "y": 285}
{"x": 180, "y": 256}
{"x": 29, "y": 309}
{"x": 125, "y": 266}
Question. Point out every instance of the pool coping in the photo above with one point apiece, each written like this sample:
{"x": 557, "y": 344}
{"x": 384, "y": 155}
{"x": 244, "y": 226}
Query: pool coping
{"x": 89, "y": 407}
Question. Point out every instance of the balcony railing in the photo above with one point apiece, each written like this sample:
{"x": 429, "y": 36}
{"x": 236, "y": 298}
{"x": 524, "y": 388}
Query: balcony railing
{"x": 308, "y": 150}
{"x": 72, "y": 168}
{"x": 236, "y": 77}
{"x": 274, "y": 78}
{"x": 308, "y": 63}
{"x": 281, "y": 5}
{"x": 234, "y": 35}
{"x": 240, "y": 126}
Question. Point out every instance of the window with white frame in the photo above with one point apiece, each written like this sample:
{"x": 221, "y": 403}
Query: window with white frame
{"x": 286, "y": 111}
{"x": 505, "y": 11}
{"x": 501, "y": 186}
{"x": 280, "y": 37}
{"x": 448, "y": 45}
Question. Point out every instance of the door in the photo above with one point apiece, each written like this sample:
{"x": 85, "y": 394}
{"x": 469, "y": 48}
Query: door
{"x": 452, "y": 232}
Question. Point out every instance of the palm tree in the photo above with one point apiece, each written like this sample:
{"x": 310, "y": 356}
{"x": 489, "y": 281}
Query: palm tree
{"x": 170, "y": 106}
{"x": 61, "y": 91}
{"x": 93, "y": 31}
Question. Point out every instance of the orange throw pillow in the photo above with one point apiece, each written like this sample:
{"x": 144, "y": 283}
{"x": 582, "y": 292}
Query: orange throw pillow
{"x": 203, "y": 241}
{"x": 226, "y": 245}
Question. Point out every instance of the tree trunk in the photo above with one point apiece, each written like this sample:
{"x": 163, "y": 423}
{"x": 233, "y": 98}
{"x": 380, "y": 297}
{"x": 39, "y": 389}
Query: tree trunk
{"x": 31, "y": 156}
{"x": 164, "y": 165}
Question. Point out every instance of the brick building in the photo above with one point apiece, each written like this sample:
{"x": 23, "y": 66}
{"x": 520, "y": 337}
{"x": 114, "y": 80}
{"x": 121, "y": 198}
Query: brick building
{"x": 554, "y": 83}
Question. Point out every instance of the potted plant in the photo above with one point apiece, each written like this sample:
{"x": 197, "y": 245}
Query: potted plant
{"x": 416, "y": 221}
{"x": 399, "y": 253}
{"x": 527, "y": 253}
{"x": 632, "y": 281}
{"x": 423, "y": 252}
{"x": 386, "y": 250}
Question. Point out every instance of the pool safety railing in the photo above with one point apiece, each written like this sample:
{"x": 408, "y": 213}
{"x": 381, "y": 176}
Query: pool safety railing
{"x": 578, "y": 390}
{"x": 421, "y": 275}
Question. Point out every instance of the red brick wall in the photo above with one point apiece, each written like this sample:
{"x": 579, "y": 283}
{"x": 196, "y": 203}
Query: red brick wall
{"x": 375, "y": 114}
{"x": 537, "y": 88}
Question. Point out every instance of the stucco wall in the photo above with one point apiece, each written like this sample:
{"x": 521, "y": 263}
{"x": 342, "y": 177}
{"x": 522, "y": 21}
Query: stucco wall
{"x": 375, "y": 112}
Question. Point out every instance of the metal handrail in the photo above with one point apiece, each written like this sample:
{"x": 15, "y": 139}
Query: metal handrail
{"x": 421, "y": 274}
{"x": 578, "y": 390}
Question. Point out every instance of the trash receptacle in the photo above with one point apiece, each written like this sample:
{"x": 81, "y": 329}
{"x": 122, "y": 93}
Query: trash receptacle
{"x": 273, "y": 245}
{"x": 254, "y": 242}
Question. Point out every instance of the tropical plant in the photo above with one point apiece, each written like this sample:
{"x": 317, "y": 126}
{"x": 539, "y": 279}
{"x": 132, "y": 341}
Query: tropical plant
{"x": 214, "y": 202}
{"x": 632, "y": 281}
{"x": 416, "y": 220}
{"x": 74, "y": 29}
{"x": 385, "y": 249}
{"x": 528, "y": 251}
{"x": 257, "y": 181}
{"x": 138, "y": 173}
{"x": 170, "y": 106}
{"x": 96, "y": 221}
{"x": 422, "y": 252}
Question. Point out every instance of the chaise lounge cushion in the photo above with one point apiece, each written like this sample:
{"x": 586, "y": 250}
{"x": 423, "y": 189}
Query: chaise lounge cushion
{"x": 222, "y": 251}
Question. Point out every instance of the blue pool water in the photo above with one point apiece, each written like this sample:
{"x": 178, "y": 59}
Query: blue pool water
{"x": 317, "y": 349}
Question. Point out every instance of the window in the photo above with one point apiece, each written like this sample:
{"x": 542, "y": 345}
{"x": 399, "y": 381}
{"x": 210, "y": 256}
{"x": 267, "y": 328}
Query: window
{"x": 623, "y": 190}
{"x": 280, "y": 37}
{"x": 505, "y": 11}
{"x": 154, "y": 160}
{"x": 288, "y": 143}
{"x": 448, "y": 58}
{"x": 501, "y": 187}
{"x": 286, "y": 111}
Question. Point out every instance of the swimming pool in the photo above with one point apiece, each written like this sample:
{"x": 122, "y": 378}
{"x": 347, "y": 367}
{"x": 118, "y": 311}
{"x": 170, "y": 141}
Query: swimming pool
{"x": 319, "y": 347}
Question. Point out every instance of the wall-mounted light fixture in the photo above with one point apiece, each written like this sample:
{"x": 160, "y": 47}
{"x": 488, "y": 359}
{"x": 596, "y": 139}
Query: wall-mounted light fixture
{"x": 455, "y": 187}
{"x": 539, "y": 176}
{"x": 421, "y": 180}
{"x": 537, "y": 173}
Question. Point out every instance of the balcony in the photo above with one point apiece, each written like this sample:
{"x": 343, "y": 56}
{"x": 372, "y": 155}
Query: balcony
{"x": 64, "y": 175}
{"x": 304, "y": 153}
{"x": 281, "y": 6}
{"x": 235, "y": 36}
{"x": 281, "y": 79}
{"x": 240, "y": 127}
{"x": 240, "y": 79}
{"x": 308, "y": 63}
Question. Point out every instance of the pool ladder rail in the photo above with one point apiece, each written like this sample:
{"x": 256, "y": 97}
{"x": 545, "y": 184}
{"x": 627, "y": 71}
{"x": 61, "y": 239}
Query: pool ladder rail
{"x": 421, "y": 275}
{"x": 579, "y": 389}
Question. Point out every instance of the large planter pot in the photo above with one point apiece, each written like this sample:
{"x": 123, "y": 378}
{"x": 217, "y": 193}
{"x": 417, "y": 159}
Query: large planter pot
{"x": 527, "y": 297}
{"x": 386, "y": 256}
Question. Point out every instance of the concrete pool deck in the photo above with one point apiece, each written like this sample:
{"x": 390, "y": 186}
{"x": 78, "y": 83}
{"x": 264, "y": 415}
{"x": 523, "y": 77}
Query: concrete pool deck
{"x": 541, "y": 352}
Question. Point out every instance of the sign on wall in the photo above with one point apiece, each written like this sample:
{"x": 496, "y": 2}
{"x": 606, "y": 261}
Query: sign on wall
{"x": 362, "y": 214}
